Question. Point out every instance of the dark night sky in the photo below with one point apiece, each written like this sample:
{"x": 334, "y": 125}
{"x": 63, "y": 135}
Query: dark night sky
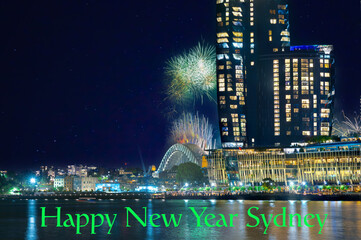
{"x": 82, "y": 81}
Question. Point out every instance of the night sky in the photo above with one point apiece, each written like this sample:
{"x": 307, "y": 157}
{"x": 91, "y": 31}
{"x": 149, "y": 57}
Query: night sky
{"x": 82, "y": 81}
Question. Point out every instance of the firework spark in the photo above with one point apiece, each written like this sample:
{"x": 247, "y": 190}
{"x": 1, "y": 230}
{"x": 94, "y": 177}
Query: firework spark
{"x": 348, "y": 127}
{"x": 193, "y": 129}
{"x": 192, "y": 75}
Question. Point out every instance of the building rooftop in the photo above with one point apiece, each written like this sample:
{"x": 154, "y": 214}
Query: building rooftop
{"x": 314, "y": 48}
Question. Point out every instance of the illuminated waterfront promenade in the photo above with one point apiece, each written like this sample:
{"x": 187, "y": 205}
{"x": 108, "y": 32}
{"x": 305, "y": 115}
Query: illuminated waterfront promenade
{"x": 315, "y": 165}
{"x": 314, "y": 195}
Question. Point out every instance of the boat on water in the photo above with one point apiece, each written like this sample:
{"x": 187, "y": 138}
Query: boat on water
{"x": 86, "y": 199}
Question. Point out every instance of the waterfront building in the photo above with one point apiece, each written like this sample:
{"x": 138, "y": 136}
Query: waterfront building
{"x": 76, "y": 183}
{"x": 84, "y": 184}
{"x": 68, "y": 183}
{"x": 59, "y": 181}
{"x": 330, "y": 163}
{"x": 108, "y": 187}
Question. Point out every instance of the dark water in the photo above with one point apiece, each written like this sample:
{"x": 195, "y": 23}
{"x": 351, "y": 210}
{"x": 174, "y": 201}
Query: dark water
{"x": 21, "y": 219}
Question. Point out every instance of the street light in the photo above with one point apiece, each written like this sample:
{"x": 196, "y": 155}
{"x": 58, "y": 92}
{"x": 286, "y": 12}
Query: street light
{"x": 32, "y": 180}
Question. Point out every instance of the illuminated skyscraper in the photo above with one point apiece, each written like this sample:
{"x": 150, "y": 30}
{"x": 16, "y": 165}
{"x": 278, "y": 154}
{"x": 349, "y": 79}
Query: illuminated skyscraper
{"x": 245, "y": 29}
{"x": 253, "y": 55}
{"x": 297, "y": 95}
{"x": 269, "y": 32}
{"x": 230, "y": 72}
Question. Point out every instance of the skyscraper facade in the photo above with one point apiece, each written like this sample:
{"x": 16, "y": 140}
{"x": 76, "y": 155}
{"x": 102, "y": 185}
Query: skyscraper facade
{"x": 296, "y": 95}
{"x": 252, "y": 35}
{"x": 231, "y": 72}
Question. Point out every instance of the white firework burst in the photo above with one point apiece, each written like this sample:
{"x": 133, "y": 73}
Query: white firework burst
{"x": 193, "y": 129}
{"x": 192, "y": 75}
{"x": 348, "y": 127}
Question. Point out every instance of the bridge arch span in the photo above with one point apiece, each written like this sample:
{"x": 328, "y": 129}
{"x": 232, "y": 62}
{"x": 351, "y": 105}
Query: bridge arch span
{"x": 181, "y": 153}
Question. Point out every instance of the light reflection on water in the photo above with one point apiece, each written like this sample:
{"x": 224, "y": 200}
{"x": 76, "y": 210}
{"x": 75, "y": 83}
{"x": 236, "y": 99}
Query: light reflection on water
{"x": 21, "y": 219}
{"x": 31, "y": 232}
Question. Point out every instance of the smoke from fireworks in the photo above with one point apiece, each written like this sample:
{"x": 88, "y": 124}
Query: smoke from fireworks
{"x": 348, "y": 127}
{"x": 193, "y": 129}
{"x": 192, "y": 75}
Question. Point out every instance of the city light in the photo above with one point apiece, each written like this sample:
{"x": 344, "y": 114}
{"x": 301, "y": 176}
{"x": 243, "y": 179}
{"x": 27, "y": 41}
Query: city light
{"x": 32, "y": 180}
{"x": 14, "y": 191}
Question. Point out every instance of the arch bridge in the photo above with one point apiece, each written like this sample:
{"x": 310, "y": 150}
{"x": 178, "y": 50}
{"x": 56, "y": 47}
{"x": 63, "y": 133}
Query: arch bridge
{"x": 181, "y": 153}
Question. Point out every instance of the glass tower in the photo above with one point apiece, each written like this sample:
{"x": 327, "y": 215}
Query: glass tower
{"x": 253, "y": 54}
{"x": 245, "y": 29}
{"x": 231, "y": 85}
{"x": 297, "y": 95}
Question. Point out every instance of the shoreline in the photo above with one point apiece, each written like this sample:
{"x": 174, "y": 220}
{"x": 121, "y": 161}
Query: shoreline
{"x": 242, "y": 196}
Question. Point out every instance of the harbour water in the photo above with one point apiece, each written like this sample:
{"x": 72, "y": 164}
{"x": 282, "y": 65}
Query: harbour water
{"x": 21, "y": 219}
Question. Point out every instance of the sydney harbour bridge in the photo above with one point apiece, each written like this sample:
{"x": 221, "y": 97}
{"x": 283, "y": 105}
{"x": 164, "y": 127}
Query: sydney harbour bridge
{"x": 180, "y": 153}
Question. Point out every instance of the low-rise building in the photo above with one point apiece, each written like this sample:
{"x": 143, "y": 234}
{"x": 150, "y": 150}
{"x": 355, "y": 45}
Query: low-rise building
{"x": 330, "y": 163}
{"x": 59, "y": 181}
{"x": 68, "y": 183}
{"x": 108, "y": 187}
{"x": 84, "y": 184}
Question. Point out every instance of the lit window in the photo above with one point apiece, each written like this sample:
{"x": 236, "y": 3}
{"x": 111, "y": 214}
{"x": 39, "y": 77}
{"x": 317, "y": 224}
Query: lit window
{"x": 237, "y": 39}
{"x": 305, "y": 103}
{"x": 222, "y": 40}
{"x": 222, "y": 34}
{"x": 233, "y": 97}
{"x": 238, "y": 34}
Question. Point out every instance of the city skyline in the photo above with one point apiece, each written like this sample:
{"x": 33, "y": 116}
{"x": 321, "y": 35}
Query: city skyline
{"x": 73, "y": 95}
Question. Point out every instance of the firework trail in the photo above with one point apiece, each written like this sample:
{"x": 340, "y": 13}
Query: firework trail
{"x": 347, "y": 127}
{"x": 192, "y": 75}
{"x": 193, "y": 129}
